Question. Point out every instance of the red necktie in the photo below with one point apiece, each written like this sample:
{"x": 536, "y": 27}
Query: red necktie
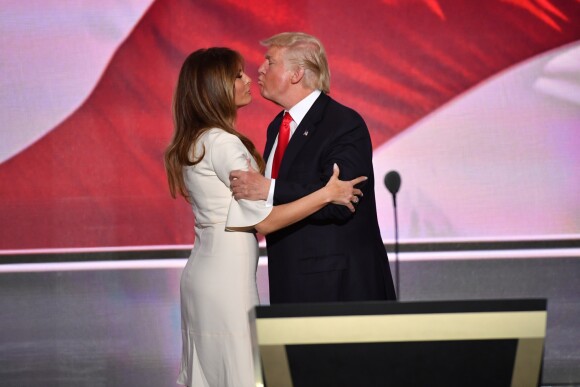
{"x": 283, "y": 138}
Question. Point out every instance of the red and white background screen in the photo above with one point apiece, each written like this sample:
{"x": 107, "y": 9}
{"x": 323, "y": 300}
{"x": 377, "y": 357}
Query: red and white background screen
{"x": 475, "y": 103}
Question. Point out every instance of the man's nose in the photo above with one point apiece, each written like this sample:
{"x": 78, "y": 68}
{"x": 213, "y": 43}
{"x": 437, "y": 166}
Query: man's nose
{"x": 261, "y": 69}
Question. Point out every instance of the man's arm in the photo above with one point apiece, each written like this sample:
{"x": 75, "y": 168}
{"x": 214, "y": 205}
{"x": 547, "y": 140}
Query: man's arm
{"x": 351, "y": 149}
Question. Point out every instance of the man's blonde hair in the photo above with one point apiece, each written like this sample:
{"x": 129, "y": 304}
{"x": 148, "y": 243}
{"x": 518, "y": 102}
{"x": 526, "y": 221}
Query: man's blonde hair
{"x": 307, "y": 52}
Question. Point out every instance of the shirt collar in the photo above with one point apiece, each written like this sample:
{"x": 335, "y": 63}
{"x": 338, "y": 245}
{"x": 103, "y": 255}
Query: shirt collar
{"x": 299, "y": 110}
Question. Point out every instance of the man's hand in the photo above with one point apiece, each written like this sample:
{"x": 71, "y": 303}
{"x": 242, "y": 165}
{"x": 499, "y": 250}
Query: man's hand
{"x": 249, "y": 185}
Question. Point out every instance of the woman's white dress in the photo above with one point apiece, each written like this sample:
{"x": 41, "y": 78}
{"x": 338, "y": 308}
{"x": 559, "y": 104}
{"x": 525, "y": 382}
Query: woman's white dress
{"x": 218, "y": 284}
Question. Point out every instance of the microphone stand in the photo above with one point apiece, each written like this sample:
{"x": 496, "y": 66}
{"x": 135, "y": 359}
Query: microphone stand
{"x": 396, "y": 247}
{"x": 393, "y": 183}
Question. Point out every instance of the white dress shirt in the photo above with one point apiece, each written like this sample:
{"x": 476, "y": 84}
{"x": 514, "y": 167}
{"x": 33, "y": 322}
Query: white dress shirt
{"x": 297, "y": 112}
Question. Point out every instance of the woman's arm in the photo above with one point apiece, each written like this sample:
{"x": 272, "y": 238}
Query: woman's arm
{"x": 335, "y": 191}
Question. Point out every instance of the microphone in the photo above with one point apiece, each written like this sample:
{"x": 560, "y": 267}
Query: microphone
{"x": 393, "y": 183}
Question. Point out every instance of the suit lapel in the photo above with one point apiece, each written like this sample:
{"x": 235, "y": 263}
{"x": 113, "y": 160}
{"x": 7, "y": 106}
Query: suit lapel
{"x": 271, "y": 134}
{"x": 303, "y": 133}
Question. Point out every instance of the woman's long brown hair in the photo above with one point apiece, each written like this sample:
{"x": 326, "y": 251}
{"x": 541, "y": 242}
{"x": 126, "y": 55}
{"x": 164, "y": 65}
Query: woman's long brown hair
{"x": 203, "y": 99}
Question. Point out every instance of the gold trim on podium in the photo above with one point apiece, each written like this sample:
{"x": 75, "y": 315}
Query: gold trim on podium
{"x": 528, "y": 357}
{"x": 528, "y": 327}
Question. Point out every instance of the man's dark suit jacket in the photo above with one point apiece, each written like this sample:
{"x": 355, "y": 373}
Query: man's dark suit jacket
{"x": 333, "y": 255}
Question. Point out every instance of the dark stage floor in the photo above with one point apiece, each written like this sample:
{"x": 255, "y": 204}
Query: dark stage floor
{"x": 117, "y": 323}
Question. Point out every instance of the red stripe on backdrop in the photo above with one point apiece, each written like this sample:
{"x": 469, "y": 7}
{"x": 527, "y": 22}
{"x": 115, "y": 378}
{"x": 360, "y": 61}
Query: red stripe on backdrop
{"x": 98, "y": 180}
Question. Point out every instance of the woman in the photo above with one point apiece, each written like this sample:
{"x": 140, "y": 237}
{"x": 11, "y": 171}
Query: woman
{"x": 218, "y": 284}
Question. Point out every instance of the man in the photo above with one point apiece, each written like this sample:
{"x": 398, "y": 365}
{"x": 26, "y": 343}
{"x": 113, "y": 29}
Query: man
{"x": 334, "y": 255}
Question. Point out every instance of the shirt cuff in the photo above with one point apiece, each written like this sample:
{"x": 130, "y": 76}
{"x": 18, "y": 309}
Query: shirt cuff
{"x": 270, "y": 199}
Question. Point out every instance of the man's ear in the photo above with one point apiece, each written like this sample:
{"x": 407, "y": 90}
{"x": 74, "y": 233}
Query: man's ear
{"x": 297, "y": 74}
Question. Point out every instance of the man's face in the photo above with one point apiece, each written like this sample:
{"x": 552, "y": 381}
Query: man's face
{"x": 274, "y": 77}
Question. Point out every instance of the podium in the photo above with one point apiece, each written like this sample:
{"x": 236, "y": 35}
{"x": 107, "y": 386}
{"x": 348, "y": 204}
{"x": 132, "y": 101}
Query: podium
{"x": 366, "y": 344}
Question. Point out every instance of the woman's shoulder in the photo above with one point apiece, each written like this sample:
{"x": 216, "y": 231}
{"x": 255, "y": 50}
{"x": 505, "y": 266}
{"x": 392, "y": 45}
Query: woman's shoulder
{"x": 217, "y": 136}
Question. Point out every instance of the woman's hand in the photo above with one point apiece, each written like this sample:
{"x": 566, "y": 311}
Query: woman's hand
{"x": 343, "y": 192}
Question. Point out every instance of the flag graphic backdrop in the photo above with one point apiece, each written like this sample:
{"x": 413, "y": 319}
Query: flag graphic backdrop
{"x": 86, "y": 93}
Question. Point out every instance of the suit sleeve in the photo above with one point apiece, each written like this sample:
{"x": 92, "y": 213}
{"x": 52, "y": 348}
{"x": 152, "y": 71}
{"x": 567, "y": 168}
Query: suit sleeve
{"x": 350, "y": 148}
{"x": 228, "y": 153}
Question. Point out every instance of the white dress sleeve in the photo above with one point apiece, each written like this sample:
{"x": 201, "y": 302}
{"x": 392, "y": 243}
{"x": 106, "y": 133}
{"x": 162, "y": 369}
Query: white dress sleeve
{"x": 228, "y": 154}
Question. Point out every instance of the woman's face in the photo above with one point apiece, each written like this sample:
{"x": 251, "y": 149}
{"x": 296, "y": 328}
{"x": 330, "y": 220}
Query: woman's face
{"x": 242, "y": 92}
